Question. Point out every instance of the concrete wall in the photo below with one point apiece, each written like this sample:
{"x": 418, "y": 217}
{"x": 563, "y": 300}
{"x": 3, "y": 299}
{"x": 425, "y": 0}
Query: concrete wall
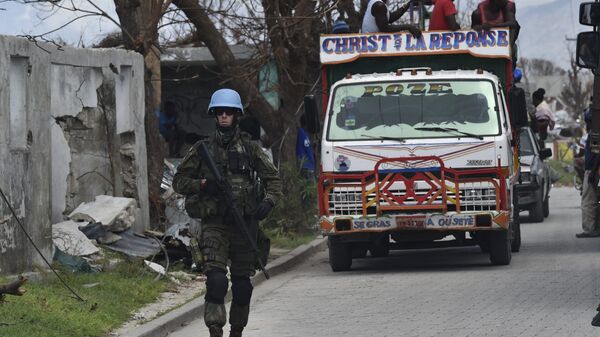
{"x": 71, "y": 128}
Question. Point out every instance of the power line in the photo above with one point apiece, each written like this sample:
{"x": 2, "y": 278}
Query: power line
{"x": 36, "y": 248}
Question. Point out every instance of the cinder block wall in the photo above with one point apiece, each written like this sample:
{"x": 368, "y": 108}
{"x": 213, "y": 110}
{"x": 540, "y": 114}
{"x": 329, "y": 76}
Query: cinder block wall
{"x": 71, "y": 128}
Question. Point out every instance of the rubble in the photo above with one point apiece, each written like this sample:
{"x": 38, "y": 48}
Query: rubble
{"x": 115, "y": 213}
{"x": 67, "y": 237}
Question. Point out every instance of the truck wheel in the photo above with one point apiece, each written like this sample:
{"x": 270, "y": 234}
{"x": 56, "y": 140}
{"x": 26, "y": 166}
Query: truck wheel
{"x": 515, "y": 243}
{"x": 379, "y": 250}
{"x": 500, "y": 247}
{"x": 536, "y": 213}
{"x": 340, "y": 255}
{"x": 547, "y": 207}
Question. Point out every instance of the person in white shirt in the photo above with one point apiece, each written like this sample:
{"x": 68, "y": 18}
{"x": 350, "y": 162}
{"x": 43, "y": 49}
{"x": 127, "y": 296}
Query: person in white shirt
{"x": 543, "y": 114}
{"x": 378, "y": 18}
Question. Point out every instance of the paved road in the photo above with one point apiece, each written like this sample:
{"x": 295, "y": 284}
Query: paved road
{"x": 551, "y": 288}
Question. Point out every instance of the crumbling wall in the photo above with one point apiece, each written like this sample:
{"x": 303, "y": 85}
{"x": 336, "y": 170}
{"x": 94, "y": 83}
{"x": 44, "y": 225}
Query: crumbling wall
{"x": 71, "y": 128}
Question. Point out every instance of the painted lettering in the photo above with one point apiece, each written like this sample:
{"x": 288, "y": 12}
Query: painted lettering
{"x": 325, "y": 46}
{"x": 370, "y": 90}
{"x": 446, "y": 41}
{"x": 459, "y": 37}
{"x": 384, "y": 40}
{"x": 503, "y": 38}
{"x": 434, "y": 41}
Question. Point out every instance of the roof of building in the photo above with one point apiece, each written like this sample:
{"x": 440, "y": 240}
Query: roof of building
{"x": 201, "y": 55}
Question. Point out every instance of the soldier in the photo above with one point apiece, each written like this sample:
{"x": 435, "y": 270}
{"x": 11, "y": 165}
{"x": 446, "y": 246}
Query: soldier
{"x": 243, "y": 163}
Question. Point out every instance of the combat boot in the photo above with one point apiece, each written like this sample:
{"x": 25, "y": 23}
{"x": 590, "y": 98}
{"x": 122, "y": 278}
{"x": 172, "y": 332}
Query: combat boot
{"x": 236, "y": 331}
{"x": 215, "y": 331}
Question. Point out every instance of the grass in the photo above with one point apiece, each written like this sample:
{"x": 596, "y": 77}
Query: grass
{"x": 565, "y": 175}
{"x": 48, "y": 309}
{"x": 287, "y": 240}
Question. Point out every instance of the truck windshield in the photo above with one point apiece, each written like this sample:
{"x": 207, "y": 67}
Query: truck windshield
{"x": 413, "y": 110}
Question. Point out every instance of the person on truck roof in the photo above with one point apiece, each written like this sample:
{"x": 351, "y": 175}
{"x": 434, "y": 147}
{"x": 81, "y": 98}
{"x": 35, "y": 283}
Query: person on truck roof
{"x": 379, "y": 19}
{"x": 498, "y": 13}
{"x": 443, "y": 16}
{"x": 493, "y": 14}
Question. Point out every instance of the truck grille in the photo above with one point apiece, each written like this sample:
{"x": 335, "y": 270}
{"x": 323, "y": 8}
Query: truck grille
{"x": 348, "y": 200}
{"x": 411, "y": 185}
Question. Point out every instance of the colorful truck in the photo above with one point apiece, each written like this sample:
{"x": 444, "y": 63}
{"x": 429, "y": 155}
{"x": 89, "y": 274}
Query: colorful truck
{"x": 417, "y": 147}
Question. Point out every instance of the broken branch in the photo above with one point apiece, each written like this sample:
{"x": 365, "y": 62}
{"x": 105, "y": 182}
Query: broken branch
{"x": 14, "y": 288}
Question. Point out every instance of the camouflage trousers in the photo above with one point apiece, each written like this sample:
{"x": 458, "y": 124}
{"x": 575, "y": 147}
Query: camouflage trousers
{"x": 222, "y": 246}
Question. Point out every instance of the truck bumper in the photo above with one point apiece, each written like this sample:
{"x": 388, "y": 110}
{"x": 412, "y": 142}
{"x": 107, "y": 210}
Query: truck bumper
{"x": 450, "y": 221}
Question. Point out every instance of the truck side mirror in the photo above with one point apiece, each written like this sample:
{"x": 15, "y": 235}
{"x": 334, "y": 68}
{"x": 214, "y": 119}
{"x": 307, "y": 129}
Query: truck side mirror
{"x": 588, "y": 50}
{"x": 517, "y": 107}
{"x": 589, "y": 13}
{"x": 311, "y": 114}
{"x": 545, "y": 153}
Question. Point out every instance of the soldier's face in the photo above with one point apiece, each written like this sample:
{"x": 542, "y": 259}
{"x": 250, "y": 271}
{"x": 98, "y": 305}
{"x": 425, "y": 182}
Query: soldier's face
{"x": 225, "y": 116}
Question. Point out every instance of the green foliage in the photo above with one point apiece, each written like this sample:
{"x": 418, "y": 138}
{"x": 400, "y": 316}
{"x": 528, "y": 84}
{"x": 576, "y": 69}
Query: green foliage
{"x": 283, "y": 240}
{"x": 296, "y": 212}
{"x": 48, "y": 309}
{"x": 564, "y": 171}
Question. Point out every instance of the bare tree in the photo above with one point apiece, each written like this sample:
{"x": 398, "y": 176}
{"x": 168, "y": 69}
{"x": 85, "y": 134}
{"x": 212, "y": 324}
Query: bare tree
{"x": 575, "y": 95}
{"x": 540, "y": 67}
{"x": 139, "y": 22}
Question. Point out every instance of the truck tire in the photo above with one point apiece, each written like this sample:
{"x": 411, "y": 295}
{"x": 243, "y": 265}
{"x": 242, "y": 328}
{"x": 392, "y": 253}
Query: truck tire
{"x": 515, "y": 243}
{"x": 500, "y": 247}
{"x": 547, "y": 207}
{"x": 340, "y": 254}
{"x": 536, "y": 213}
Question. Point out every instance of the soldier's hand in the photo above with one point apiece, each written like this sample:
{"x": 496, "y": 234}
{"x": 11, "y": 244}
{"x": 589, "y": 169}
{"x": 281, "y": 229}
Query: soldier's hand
{"x": 210, "y": 187}
{"x": 263, "y": 209}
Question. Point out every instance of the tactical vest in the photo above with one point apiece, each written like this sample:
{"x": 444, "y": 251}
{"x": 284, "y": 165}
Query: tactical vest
{"x": 236, "y": 164}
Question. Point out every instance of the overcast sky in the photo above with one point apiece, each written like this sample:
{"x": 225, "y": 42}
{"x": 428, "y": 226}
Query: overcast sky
{"x": 17, "y": 19}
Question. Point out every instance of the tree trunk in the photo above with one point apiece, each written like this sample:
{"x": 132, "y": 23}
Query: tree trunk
{"x": 139, "y": 25}
{"x": 225, "y": 60}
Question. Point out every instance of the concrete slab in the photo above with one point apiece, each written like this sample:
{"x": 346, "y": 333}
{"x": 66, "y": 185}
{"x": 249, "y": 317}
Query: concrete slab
{"x": 67, "y": 237}
{"x": 117, "y": 214}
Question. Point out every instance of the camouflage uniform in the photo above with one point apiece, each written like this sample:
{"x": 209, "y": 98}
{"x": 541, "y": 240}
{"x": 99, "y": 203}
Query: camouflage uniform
{"x": 241, "y": 162}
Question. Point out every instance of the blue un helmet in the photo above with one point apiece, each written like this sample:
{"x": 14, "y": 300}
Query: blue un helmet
{"x": 225, "y": 98}
{"x": 517, "y": 75}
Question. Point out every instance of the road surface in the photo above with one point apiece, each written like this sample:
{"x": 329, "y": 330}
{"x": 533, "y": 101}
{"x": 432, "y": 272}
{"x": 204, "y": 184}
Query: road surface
{"x": 551, "y": 288}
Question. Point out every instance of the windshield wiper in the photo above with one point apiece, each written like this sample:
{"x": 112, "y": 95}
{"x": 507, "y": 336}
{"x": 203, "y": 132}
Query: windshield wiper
{"x": 438, "y": 129}
{"x": 398, "y": 139}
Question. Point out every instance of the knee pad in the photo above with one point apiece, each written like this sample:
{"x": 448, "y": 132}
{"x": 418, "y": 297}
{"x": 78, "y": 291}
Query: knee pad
{"x": 216, "y": 286}
{"x": 241, "y": 287}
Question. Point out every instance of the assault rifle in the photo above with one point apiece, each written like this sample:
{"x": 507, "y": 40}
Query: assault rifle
{"x": 238, "y": 217}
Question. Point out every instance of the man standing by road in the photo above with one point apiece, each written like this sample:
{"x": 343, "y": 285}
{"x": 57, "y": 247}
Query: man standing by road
{"x": 379, "y": 19}
{"x": 242, "y": 163}
{"x": 590, "y": 221}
